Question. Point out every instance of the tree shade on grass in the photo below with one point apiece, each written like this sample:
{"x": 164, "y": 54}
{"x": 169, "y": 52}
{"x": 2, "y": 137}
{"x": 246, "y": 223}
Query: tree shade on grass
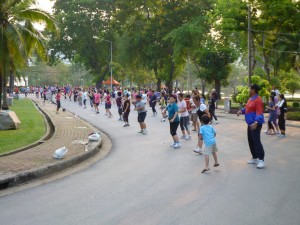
{"x": 32, "y": 127}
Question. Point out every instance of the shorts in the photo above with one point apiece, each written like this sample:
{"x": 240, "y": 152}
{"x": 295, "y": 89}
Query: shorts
{"x": 142, "y": 117}
{"x": 58, "y": 104}
{"x": 209, "y": 150}
{"x": 107, "y": 106}
{"x": 194, "y": 117}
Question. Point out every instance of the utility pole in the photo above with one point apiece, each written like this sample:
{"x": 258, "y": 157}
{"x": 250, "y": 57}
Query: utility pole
{"x": 189, "y": 74}
{"x": 249, "y": 45}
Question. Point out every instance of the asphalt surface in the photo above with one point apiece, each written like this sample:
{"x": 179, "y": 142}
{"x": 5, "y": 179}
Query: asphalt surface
{"x": 144, "y": 181}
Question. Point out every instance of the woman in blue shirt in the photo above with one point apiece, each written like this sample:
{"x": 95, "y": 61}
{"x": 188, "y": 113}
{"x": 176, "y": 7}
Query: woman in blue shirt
{"x": 172, "y": 109}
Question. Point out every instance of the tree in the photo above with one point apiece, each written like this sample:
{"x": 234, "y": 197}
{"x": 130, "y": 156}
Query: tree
{"x": 80, "y": 22}
{"x": 19, "y": 37}
{"x": 292, "y": 86}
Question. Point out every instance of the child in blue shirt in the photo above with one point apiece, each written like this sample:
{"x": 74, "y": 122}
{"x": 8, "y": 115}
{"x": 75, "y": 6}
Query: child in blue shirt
{"x": 207, "y": 135}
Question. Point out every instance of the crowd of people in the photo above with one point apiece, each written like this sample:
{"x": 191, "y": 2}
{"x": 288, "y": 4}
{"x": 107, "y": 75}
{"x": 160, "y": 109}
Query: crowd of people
{"x": 180, "y": 110}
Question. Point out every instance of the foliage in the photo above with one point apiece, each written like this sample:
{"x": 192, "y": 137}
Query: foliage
{"x": 292, "y": 86}
{"x": 32, "y": 127}
{"x": 294, "y": 116}
{"x": 243, "y": 91}
{"x": 19, "y": 37}
{"x": 296, "y": 104}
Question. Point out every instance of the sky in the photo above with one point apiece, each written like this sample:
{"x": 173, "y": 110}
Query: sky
{"x": 45, "y": 5}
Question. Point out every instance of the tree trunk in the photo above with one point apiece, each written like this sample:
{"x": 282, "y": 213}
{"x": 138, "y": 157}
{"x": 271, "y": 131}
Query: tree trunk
{"x": 158, "y": 85}
{"x": 218, "y": 87}
{"x": 1, "y": 90}
{"x": 203, "y": 86}
{"x": 11, "y": 83}
{"x": 4, "y": 91}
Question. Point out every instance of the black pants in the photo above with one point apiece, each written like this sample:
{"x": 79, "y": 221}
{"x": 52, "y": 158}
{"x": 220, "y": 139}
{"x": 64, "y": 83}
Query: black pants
{"x": 173, "y": 128}
{"x": 125, "y": 117}
{"x": 255, "y": 145}
{"x": 271, "y": 127}
{"x": 153, "y": 108}
{"x": 213, "y": 114}
{"x": 281, "y": 123}
{"x": 84, "y": 102}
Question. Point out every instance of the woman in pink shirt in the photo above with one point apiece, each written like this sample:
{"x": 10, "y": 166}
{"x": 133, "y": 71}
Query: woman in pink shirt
{"x": 108, "y": 105}
{"x": 97, "y": 97}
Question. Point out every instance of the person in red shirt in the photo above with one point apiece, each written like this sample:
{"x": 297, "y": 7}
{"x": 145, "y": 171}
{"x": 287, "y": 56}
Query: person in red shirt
{"x": 255, "y": 119}
{"x": 108, "y": 105}
{"x": 57, "y": 97}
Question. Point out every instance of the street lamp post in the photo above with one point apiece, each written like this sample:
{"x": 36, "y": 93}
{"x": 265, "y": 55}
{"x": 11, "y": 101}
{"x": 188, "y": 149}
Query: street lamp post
{"x": 111, "y": 60}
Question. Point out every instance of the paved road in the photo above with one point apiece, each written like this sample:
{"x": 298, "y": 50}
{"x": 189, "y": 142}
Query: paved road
{"x": 143, "y": 181}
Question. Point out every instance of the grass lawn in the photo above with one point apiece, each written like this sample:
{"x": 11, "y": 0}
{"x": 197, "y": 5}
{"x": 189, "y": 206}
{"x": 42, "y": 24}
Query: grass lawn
{"x": 32, "y": 127}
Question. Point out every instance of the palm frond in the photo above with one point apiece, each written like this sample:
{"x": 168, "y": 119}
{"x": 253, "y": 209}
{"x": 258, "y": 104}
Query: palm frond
{"x": 33, "y": 40}
{"x": 14, "y": 42}
{"x": 39, "y": 16}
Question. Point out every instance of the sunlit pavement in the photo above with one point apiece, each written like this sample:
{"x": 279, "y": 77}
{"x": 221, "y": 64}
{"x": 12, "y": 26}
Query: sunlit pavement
{"x": 144, "y": 181}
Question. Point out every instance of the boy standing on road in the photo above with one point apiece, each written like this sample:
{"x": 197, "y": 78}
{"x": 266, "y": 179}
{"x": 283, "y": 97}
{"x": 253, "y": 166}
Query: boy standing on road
{"x": 207, "y": 135}
{"x": 140, "y": 107}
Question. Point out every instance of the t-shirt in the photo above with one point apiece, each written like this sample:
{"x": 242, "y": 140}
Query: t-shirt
{"x": 212, "y": 103}
{"x": 172, "y": 109}
{"x": 141, "y": 105}
{"x": 107, "y": 99}
{"x": 208, "y": 133}
{"x": 126, "y": 104}
{"x": 119, "y": 101}
{"x": 84, "y": 95}
{"x": 200, "y": 111}
{"x": 144, "y": 98}
{"x": 181, "y": 105}
{"x": 194, "y": 110}
{"x": 97, "y": 98}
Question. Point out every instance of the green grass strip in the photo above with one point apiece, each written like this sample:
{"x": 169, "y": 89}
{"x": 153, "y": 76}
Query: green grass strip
{"x": 32, "y": 127}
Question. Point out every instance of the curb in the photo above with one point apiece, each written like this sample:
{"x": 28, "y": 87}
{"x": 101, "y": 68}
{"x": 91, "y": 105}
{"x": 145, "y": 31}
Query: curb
{"x": 50, "y": 130}
{"x": 12, "y": 180}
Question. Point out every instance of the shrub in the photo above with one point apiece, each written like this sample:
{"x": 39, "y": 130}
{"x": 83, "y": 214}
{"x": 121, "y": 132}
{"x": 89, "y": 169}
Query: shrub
{"x": 296, "y": 105}
{"x": 293, "y": 116}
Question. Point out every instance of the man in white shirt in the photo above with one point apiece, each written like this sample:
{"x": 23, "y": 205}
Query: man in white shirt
{"x": 184, "y": 117}
{"x": 84, "y": 97}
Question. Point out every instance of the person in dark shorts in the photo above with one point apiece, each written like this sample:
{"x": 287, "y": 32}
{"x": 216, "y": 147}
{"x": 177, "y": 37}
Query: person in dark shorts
{"x": 119, "y": 105}
{"x": 58, "y": 97}
{"x": 108, "y": 105}
{"x": 173, "y": 117}
{"x": 140, "y": 107}
{"x": 212, "y": 108}
{"x": 126, "y": 108}
{"x": 152, "y": 103}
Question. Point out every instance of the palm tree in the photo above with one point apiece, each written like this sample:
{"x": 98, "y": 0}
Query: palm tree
{"x": 19, "y": 38}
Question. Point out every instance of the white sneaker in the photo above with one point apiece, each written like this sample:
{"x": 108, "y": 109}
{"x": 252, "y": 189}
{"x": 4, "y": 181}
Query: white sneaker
{"x": 177, "y": 145}
{"x": 266, "y": 131}
{"x": 163, "y": 120}
{"x": 261, "y": 164}
{"x": 183, "y": 137}
{"x": 281, "y": 135}
{"x": 188, "y": 137}
{"x": 253, "y": 161}
{"x": 172, "y": 145}
{"x": 198, "y": 150}
{"x": 145, "y": 132}
{"x": 217, "y": 122}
